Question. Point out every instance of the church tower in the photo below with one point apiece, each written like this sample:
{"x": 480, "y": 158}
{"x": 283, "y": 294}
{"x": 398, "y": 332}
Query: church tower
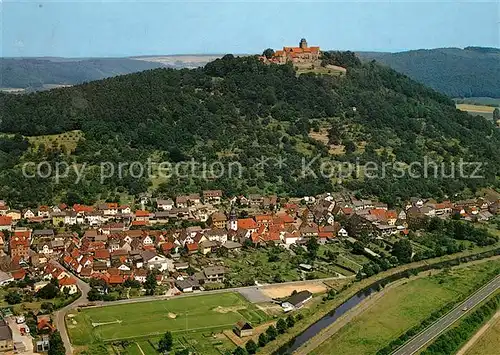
{"x": 303, "y": 43}
{"x": 232, "y": 223}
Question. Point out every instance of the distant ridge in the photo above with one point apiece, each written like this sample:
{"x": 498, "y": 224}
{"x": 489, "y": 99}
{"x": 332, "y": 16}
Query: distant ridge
{"x": 468, "y": 72}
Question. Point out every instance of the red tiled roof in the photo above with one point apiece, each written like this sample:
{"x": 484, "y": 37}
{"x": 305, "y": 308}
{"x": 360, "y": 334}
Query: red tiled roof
{"x": 45, "y": 323}
{"x": 5, "y": 221}
{"x": 262, "y": 217}
{"x": 167, "y": 246}
{"x": 285, "y": 218}
{"x": 391, "y": 214}
{"x": 82, "y": 208}
{"x": 67, "y": 281}
{"x": 115, "y": 279}
{"x": 347, "y": 210}
{"x": 102, "y": 254}
{"x": 19, "y": 274}
{"x": 113, "y": 271}
{"x": 247, "y": 223}
{"x": 141, "y": 213}
{"x": 139, "y": 223}
{"x": 25, "y": 234}
{"x": 192, "y": 246}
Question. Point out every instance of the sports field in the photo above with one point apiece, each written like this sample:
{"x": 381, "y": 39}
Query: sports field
{"x": 202, "y": 314}
{"x": 402, "y": 308}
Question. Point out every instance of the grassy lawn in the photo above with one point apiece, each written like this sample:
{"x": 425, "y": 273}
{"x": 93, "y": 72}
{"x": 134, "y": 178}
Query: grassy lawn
{"x": 488, "y": 342}
{"x": 402, "y": 308}
{"x": 193, "y": 318}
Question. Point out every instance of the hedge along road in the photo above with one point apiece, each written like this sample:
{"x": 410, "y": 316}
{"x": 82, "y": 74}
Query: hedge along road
{"x": 443, "y": 323}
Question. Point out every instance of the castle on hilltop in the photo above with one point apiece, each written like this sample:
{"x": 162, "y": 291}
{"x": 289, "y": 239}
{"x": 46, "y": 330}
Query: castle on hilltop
{"x": 301, "y": 54}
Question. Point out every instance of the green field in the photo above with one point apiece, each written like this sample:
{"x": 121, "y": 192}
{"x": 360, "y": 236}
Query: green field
{"x": 196, "y": 318}
{"x": 402, "y": 308}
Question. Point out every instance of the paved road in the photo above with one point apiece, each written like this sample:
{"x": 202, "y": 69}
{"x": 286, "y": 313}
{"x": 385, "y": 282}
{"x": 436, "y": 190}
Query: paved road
{"x": 443, "y": 323}
{"x": 60, "y": 314}
{"x": 242, "y": 290}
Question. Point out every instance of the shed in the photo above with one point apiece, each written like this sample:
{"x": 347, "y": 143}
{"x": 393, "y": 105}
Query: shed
{"x": 243, "y": 329}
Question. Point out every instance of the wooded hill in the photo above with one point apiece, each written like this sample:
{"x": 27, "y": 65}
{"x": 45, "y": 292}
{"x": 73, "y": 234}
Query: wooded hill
{"x": 238, "y": 109}
{"x": 468, "y": 72}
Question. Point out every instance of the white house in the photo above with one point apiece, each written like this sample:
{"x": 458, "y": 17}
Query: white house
{"x": 343, "y": 233}
{"x": 165, "y": 205}
{"x": 28, "y": 214}
{"x": 161, "y": 263}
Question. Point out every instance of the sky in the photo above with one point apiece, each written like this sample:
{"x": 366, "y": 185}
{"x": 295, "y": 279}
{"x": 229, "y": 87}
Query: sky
{"x": 112, "y": 28}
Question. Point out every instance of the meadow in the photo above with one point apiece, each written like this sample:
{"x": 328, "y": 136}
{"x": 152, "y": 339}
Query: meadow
{"x": 403, "y": 307}
{"x": 479, "y": 110}
{"x": 193, "y": 321}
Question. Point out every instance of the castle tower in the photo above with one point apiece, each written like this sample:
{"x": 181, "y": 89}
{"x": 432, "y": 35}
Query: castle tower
{"x": 303, "y": 43}
{"x": 232, "y": 223}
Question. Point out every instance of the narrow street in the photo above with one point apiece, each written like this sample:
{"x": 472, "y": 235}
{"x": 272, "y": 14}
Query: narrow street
{"x": 60, "y": 314}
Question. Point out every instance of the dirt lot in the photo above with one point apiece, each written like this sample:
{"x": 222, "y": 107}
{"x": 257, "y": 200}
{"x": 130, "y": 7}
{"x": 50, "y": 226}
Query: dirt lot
{"x": 279, "y": 291}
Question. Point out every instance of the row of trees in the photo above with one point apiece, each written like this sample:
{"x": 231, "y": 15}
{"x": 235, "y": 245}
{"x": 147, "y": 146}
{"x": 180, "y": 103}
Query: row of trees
{"x": 269, "y": 335}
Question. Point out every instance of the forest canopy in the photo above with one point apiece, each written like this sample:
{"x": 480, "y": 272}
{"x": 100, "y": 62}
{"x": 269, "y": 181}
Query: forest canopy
{"x": 239, "y": 109}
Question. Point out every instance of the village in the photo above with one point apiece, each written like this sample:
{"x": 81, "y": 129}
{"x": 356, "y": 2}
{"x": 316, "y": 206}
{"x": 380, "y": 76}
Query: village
{"x": 207, "y": 241}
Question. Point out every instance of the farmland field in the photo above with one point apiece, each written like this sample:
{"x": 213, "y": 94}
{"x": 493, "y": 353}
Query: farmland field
{"x": 480, "y": 110}
{"x": 488, "y": 341}
{"x": 403, "y": 307}
{"x": 190, "y": 319}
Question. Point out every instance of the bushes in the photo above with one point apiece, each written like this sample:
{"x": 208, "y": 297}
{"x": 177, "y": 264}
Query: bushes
{"x": 272, "y": 332}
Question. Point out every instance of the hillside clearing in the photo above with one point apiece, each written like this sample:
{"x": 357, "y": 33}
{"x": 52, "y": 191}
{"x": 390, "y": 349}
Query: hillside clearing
{"x": 68, "y": 140}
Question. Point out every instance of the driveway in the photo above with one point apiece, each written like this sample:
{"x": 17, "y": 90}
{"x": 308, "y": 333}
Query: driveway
{"x": 27, "y": 340}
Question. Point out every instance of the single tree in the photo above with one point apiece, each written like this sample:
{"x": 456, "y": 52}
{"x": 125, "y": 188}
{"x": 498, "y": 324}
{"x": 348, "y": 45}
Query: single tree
{"x": 251, "y": 347}
{"x": 271, "y": 333}
{"x": 312, "y": 247}
{"x": 56, "y": 345}
{"x": 166, "y": 342}
{"x": 403, "y": 251}
{"x": 150, "y": 284}
{"x": 496, "y": 114}
{"x": 281, "y": 326}
{"x": 13, "y": 297}
{"x": 239, "y": 351}
{"x": 262, "y": 339}
{"x": 268, "y": 53}
{"x": 350, "y": 147}
{"x": 290, "y": 321}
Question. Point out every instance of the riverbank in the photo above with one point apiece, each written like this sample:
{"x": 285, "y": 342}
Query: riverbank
{"x": 313, "y": 314}
{"x": 405, "y": 305}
